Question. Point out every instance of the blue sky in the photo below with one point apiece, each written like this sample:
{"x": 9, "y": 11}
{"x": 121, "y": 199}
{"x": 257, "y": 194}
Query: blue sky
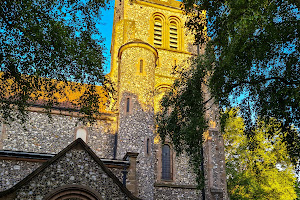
{"x": 106, "y": 31}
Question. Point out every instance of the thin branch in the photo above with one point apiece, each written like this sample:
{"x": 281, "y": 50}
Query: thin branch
{"x": 254, "y": 82}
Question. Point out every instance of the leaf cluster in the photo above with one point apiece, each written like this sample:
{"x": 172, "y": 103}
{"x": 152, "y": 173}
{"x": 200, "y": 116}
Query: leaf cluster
{"x": 45, "y": 47}
{"x": 255, "y": 45}
{"x": 258, "y": 167}
{"x": 182, "y": 117}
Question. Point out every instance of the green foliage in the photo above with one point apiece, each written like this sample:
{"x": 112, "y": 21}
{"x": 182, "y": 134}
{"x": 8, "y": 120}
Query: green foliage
{"x": 47, "y": 40}
{"x": 182, "y": 117}
{"x": 297, "y": 189}
{"x": 258, "y": 167}
{"x": 256, "y": 52}
{"x": 251, "y": 61}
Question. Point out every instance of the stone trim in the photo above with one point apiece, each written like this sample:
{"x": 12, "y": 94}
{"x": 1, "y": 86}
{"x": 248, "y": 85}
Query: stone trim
{"x": 175, "y": 50}
{"x": 22, "y": 159}
{"x": 27, "y": 156}
{"x": 43, "y": 157}
{"x": 175, "y": 186}
{"x": 164, "y": 76}
{"x": 58, "y": 111}
{"x": 130, "y": 154}
{"x": 132, "y": 173}
{"x": 217, "y": 193}
{"x": 73, "y": 191}
{"x": 86, "y": 130}
{"x": 173, "y": 6}
{"x": 77, "y": 144}
{"x": 2, "y": 132}
{"x": 138, "y": 43}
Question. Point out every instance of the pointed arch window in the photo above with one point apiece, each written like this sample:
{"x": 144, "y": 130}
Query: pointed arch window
{"x": 173, "y": 35}
{"x": 166, "y": 162}
{"x": 158, "y": 31}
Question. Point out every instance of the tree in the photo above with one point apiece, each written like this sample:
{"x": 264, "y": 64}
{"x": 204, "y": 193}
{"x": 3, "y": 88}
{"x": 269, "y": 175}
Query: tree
{"x": 50, "y": 53}
{"x": 251, "y": 60}
{"x": 297, "y": 189}
{"x": 182, "y": 116}
{"x": 258, "y": 167}
{"x": 256, "y": 58}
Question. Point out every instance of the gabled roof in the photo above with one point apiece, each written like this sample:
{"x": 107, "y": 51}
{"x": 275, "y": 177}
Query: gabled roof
{"x": 77, "y": 144}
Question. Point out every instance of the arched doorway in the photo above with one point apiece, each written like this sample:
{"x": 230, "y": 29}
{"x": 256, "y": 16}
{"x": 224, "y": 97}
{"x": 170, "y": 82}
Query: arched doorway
{"x": 73, "y": 192}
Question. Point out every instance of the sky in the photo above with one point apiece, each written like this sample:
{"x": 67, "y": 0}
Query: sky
{"x": 106, "y": 32}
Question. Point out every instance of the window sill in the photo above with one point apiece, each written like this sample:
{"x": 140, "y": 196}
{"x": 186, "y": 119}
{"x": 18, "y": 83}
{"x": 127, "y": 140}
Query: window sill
{"x": 166, "y": 180}
{"x": 175, "y": 186}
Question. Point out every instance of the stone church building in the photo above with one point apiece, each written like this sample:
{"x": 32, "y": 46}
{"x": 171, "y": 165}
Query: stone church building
{"x": 120, "y": 156}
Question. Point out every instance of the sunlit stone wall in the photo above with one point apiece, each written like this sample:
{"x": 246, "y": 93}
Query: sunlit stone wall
{"x": 76, "y": 167}
{"x": 145, "y": 90}
{"x": 136, "y": 123}
{"x": 42, "y": 134}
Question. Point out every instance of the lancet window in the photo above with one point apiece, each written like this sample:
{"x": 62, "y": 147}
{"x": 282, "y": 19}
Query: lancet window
{"x": 173, "y": 35}
{"x": 166, "y": 162}
{"x": 158, "y": 31}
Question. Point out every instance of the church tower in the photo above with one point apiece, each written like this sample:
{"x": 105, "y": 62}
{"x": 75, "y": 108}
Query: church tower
{"x": 149, "y": 40}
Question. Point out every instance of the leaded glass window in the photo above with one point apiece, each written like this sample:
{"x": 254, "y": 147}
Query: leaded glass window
{"x": 166, "y": 162}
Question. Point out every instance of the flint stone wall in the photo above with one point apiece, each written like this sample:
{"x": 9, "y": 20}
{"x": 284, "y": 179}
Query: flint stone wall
{"x": 12, "y": 171}
{"x": 44, "y": 135}
{"x": 183, "y": 183}
{"x": 176, "y": 193}
{"x": 76, "y": 167}
{"x": 118, "y": 173}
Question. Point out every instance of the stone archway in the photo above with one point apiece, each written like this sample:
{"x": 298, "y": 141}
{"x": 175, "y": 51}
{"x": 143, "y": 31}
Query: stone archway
{"x": 73, "y": 192}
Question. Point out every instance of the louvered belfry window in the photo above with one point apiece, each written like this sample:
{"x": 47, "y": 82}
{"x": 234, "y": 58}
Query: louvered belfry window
{"x": 173, "y": 35}
{"x": 158, "y": 30}
{"x": 166, "y": 162}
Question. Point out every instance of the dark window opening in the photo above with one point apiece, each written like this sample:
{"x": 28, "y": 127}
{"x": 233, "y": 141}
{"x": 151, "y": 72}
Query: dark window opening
{"x": 166, "y": 162}
{"x": 148, "y": 146}
{"x": 127, "y": 105}
{"x": 141, "y": 66}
